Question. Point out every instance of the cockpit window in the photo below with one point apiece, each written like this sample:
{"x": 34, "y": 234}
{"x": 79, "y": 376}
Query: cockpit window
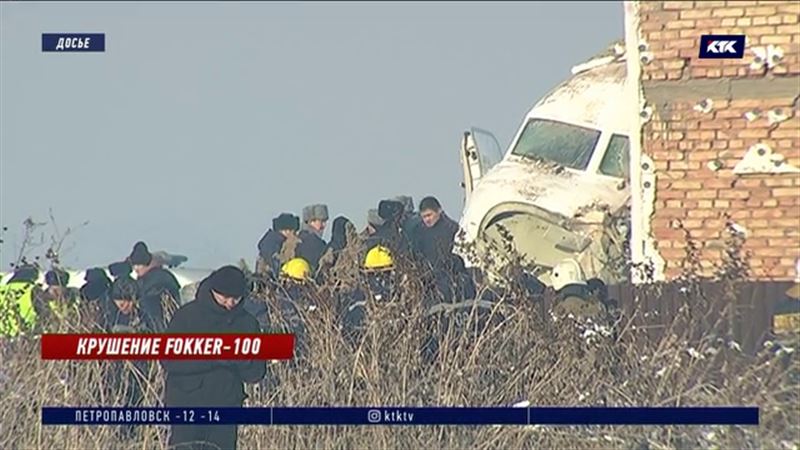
{"x": 615, "y": 161}
{"x": 568, "y": 145}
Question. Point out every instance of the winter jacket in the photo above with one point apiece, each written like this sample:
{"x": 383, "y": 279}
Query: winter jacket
{"x": 269, "y": 248}
{"x": 435, "y": 244}
{"x": 152, "y": 286}
{"x": 210, "y": 383}
{"x": 311, "y": 248}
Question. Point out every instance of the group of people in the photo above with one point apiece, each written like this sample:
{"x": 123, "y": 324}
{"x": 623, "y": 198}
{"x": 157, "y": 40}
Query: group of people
{"x": 120, "y": 303}
{"x": 427, "y": 236}
{"x": 293, "y": 261}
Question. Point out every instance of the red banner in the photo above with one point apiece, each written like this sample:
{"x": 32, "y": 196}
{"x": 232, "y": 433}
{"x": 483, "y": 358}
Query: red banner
{"x": 168, "y": 346}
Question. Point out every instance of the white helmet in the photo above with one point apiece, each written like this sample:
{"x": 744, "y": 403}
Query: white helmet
{"x": 567, "y": 272}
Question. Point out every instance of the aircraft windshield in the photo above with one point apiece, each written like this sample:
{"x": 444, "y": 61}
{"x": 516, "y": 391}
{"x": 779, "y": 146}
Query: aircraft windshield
{"x": 568, "y": 145}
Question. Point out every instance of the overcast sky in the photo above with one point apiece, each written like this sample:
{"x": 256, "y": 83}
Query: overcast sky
{"x": 203, "y": 121}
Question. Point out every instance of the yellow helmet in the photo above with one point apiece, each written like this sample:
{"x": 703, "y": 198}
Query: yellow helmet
{"x": 296, "y": 269}
{"x": 378, "y": 258}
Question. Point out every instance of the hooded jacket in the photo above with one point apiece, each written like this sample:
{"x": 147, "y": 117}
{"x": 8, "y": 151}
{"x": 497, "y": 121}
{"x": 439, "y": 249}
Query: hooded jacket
{"x": 210, "y": 383}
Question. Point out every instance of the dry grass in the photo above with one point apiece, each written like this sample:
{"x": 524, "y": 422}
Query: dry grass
{"x": 521, "y": 353}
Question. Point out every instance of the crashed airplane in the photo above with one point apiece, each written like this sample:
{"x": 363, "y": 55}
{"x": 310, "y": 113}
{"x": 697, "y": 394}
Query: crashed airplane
{"x": 561, "y": 189}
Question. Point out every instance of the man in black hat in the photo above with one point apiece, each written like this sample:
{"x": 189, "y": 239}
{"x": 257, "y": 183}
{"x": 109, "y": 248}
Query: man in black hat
{"x": 216, "y": 309}
{"x": 125, "y": 315}
{"x": 154, "y": 283}
{"x": 390, "y": 234}
{"x": 60, "y": 299}
{"x": 120, "y": 269}
{"x": 270, "y": 247}
{"x": 95, "y": 295}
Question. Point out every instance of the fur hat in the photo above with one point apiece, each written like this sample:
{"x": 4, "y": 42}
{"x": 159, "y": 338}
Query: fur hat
{"x": 286, "y": 221}
{"x": 407, "y": 201}
{"x": 315, "y": 212}
{"x": 390, "y": 210}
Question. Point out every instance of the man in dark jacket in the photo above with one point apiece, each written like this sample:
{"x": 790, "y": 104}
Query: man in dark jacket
{"x": 216, "y": 309}
{"x": 284, "y": 226}
{"x": 125, "y": 315}
{"x": 436, "y": 238}
{"x": 390, "y": 234}
{"x": 95, "y": 294}
{"x": 312, "y": 246}
{"x": 410, "y": 221}
{"x": 154, "y": 283}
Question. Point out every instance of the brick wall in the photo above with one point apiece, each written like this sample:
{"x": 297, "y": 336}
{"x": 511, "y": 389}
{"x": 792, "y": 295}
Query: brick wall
{"x": 695, "y": 145}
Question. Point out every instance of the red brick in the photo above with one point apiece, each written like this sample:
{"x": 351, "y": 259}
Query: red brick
{"x": 672, "y": 253}
{"x": 759, "y": 20}
{"x": 749, "y": 182}
{"x": 678, "y": 24}
{"x": 772, "y": 182}
{"x": 713, "y": 22}
{"x": 760, "y": 193}
{"x": 702, "y": 155}
{"x": 695, "y": 14}
{"x": 702, "y": 194}
{"x": 788, "y": 223}
{"x": 760, "y": 11}
{"x": 786, "y": 192}
{"x": 774, "y": 20}
{"x": 670, "y": 195}
{"x": 776, "y": 40}
{"x": 728, "y": 12}
{"x": 760, "y": 31}
{"x": 718, "y": 124}
{"x": 716, "y": 183}
{"x": 757, "y": 223}
{"x": 722, "y": 204}
{"x": 757, "y": 133}
{"x": 779, "y": 133}
{"x": 703, "y": 214}
{"x": 668, "y": 156}
{"x": 734, "y": 193}
{"x": 651, "y": 26}
{"x": 790, "y": 18}
{"x": 687, "y": 185}
{"x": 783, "y": 243}
{"x": 677, "y": 5}
{"x": 789, "y": 8}
{"x": 770, "y": 213}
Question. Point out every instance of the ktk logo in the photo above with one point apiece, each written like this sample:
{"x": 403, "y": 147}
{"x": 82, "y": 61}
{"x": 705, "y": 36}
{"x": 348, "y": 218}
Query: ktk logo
{"x": 717, "y": 46}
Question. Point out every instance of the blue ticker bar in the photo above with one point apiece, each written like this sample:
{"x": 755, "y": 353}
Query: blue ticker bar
{"x": 402, "y": 416}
